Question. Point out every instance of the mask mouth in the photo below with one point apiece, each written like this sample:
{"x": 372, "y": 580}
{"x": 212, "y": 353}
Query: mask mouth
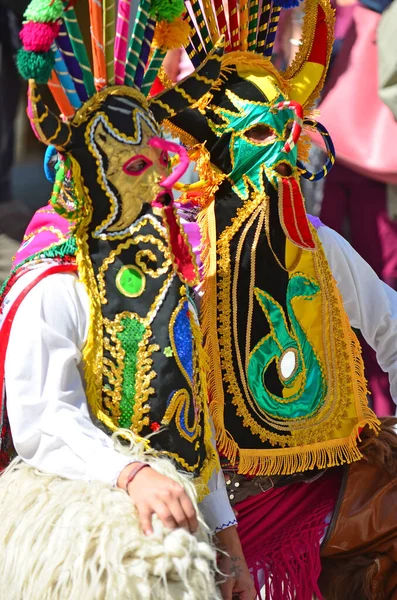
{"x": 284, "y": 169}
{"x": 164, "y": 198}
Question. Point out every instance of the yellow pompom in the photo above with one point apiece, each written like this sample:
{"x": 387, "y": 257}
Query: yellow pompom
{"x": 168, "y": 36}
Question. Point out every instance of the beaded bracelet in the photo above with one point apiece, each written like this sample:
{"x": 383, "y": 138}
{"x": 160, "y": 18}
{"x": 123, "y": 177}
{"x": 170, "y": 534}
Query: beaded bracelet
{"x": 134, "y": 471}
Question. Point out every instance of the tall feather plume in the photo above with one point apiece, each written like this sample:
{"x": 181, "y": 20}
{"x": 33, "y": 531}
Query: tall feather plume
{"x": 263, "y": 25}
{"x": 134, "y": 59}
{"x": 71, "y": 62}
{"x": 234, "y": 24}
{"x": 79, "y": 49}
{"x": 64, "y": 79}
{"x": 109, "y": 30}
{"x": 121, "y": 41}
{"x": 202, "y": 26}
{"x": 144, "y": 56}
{"x": 211, "y": 21}
{"x": 244, "y": 25}
{"x": 222, "y": 25}
{"x": 98, "y": 50}
{"x": 60, "y": 96}
{"x": 253, "y": 24}
{"x": 272, "y": 29}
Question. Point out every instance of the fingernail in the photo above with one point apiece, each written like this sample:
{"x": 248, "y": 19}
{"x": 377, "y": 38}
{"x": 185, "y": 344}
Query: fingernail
{"x": 148, "y": 532}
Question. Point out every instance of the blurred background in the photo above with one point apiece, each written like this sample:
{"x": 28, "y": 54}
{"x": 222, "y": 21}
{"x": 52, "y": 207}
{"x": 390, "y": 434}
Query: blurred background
{"x": 358, "y": 107}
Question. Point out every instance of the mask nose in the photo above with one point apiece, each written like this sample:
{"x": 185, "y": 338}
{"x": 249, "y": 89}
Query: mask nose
{"x": 284, "y": 169}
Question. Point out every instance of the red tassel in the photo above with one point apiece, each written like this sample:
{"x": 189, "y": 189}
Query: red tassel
{"x": 182, "y": 254}
{"x": 293, "y": 214}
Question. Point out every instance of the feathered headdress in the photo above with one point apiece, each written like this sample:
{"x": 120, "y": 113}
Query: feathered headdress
{"x": 54, "y": 52}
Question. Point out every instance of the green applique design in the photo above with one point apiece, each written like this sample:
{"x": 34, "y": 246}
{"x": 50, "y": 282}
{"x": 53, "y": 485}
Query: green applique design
{"x": 249, "y": 158}
{"x": 129, "y": 337}
{"x": 283, "y": 339}
{"x": 131, "y": 281}
{"x": 168, "y": 352}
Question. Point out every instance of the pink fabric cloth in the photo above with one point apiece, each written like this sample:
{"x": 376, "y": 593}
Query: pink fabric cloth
{"x": 45, "y": 228}
{"x": 280, "y": 531}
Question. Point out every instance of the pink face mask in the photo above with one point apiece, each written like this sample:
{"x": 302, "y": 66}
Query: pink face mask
{"x": 181, "y": 250}
{"x": 168, "y": 182}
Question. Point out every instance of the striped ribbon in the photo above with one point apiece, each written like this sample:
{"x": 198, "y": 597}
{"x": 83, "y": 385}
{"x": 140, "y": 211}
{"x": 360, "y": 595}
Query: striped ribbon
{"x": 72, "y": 64}
{"x": 192, "y": 54}
{"x": 195, "y": 40}
{"x": 210, "y": 18}
{"x": 134, "y": 60}
{"x": 79, "y": 49}
{"x": 202, "y": 25}
{"x": 152, "y": 70}
{"x": 263, "y": 25}
{"x": 60, "y": 96}
{"x": 65, "y": 79}
{"x": 145, "y": 51}
{"x": 121, "y": 41}
{"x": 253, "y": 24}
{"x": 234, "y": 25}
{"x": 222, "y": 25}
{"x": 244, "y": 25}
{"x": 272, "y": 30}
{"x": 98, "y": 50}
{"x": 109, "y": 30}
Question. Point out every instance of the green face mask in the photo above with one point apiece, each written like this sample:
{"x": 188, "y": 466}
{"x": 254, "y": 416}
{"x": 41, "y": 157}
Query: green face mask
{"x": 254, "y": 162}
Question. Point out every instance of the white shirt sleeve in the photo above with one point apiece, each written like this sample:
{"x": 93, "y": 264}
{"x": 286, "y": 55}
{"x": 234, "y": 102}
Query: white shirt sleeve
{"x": 46, "y": 400}
{"x": 215, "y": 507}
{"x": 371, "y": 305}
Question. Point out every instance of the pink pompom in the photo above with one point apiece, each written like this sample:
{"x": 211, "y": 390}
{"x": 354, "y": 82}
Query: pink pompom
{"x": 38, "y": 37}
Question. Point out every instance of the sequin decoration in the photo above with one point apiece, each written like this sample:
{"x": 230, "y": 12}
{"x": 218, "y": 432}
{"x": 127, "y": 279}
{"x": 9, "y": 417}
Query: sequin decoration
{"x": 131, "y": 281}
{"x": 130, "y": 337}
{"x": 181, "y": 339}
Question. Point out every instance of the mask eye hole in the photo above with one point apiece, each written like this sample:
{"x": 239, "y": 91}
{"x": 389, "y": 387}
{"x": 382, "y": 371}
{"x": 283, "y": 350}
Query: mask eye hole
{"x": 136, "y": 165}
{"x": 164, "y": 158}
{"x": 260, "y": 133}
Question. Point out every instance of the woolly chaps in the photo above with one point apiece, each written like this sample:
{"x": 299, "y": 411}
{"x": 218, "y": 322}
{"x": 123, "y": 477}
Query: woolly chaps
{"x": 63, "y": 539}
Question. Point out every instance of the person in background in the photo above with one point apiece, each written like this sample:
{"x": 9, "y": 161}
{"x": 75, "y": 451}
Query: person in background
{"x": 11, "y": 224}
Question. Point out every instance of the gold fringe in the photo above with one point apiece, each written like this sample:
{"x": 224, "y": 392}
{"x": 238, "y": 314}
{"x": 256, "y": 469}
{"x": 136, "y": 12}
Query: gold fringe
{"x": 286, "y": 461}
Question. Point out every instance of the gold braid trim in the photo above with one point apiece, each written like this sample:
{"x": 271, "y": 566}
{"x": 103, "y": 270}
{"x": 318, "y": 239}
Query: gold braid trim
{"x": 92, "y": 352}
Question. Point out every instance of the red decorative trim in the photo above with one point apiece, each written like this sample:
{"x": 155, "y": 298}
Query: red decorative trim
{"x": 293, "y": 214}
{"x": 318, "y": 53}
{"x": 182, "y": 253}
{"x": 8, "y": 321}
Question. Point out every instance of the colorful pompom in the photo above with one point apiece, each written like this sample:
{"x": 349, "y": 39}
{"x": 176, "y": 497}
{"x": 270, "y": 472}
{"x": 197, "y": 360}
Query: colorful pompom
{"x": 287, "y": 3}
{"x": 167, "y": 10}
{"x": 44, "y": 11}
{"x": 35, "y": 65}
{"x": 39, "y": 37}
{"x": 168, "y": 36}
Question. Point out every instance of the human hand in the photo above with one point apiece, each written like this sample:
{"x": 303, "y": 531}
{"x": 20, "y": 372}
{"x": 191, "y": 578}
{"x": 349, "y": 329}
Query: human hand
{"x": 153, "y": 493}
{"x": 238, "y": 584}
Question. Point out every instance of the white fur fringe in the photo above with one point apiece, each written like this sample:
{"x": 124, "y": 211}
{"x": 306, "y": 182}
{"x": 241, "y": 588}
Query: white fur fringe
{"x": 73, "y": 540}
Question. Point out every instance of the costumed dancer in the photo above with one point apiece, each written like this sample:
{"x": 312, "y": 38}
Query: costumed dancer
{"x": 100, "y": 333}
{"x": 310, "y": 468}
